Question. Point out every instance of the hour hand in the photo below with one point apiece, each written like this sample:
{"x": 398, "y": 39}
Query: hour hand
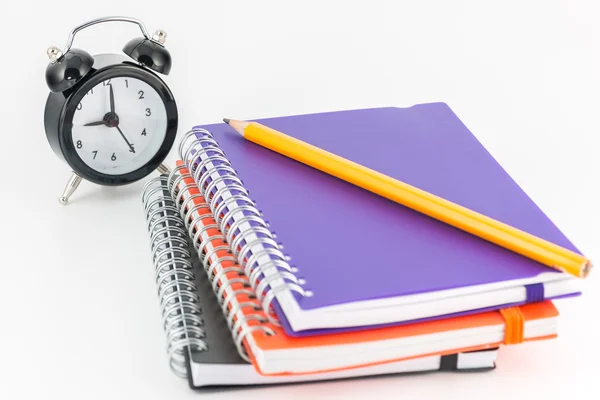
{"x": 95, "y": 123}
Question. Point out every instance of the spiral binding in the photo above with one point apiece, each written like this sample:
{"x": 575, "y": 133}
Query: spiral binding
{"x": 174, "y": 275}
{"x": 242, "y": 224}
{"x": 194, "y": 214}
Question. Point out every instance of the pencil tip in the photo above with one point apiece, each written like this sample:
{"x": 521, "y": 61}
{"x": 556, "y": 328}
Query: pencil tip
{"x": 237, "y": 126}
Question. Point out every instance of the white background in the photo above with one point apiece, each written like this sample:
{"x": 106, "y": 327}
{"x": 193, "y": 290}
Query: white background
{"x": 80, "y": 318}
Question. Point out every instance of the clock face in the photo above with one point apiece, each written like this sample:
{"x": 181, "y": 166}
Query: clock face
{"x": 118, "y": 137}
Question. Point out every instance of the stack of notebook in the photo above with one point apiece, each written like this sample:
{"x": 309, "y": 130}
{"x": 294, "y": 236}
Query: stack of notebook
{"x": 269, "y": 271}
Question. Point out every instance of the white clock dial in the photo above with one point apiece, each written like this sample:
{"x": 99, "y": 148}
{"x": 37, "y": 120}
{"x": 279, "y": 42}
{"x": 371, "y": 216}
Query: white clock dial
{"x": 120, "y": 142}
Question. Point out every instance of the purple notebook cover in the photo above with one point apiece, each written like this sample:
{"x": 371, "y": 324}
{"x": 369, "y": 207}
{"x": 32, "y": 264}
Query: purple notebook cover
{"x": 351, "y": 245}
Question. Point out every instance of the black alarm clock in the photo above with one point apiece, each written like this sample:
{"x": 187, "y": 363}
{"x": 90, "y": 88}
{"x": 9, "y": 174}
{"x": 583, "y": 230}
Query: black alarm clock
{"x": 110, "y": 117}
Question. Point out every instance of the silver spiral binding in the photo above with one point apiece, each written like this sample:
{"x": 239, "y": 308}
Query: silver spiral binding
{"x": 174, "y": 276}
{"x": 239, "y": 219}
{"x": 214, "y": 266}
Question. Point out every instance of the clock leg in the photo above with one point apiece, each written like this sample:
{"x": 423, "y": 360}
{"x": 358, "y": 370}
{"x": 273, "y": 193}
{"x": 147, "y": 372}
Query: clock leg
{"x": 70, "y": 188}
{"x": 163, "y": 169}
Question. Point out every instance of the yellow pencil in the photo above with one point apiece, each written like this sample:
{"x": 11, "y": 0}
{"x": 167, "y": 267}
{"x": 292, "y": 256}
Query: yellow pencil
{"x": 453, "y": 214}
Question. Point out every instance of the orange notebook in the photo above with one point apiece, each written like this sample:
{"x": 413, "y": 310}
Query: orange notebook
{"x": 261, "y": 341}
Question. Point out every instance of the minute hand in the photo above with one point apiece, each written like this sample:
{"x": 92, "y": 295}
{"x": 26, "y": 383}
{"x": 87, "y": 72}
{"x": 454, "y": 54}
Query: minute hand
{"x": 112, "y": 99}
{"x": 125, "y": 139}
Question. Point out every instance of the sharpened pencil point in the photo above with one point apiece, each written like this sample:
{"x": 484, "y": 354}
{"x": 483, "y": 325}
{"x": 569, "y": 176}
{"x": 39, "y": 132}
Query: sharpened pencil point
{"x": 238, "y": 126}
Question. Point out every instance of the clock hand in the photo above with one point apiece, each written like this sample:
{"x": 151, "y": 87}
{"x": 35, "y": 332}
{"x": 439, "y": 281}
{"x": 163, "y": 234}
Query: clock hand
{"x": 95, "y": 123}
{"x": 112, "y": 100}
{"x": 126, "y": 141}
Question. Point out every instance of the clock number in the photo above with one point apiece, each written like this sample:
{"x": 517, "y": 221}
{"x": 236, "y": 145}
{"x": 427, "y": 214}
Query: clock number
{"x": 141, "y": 93}
{"x": 91, "y": 91}
{"x": 113, "y": 157}
{"x": 132, "y": 149}
{"x": 126, "y": 83}
{"x": 79, "y": 144}
{"x": 79, "y": 106}
{"x": 144, "y": 132}
{"x": 148, "y": 113}
{"x": 95, "y": 153}
{"x": 106, "y": 83}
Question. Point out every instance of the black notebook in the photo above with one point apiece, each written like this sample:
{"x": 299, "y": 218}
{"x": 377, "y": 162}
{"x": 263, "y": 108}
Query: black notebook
{"x": 200, "y": 346}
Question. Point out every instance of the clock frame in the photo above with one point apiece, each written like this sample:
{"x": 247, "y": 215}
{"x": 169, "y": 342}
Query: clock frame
{"x": 60, "y": 108}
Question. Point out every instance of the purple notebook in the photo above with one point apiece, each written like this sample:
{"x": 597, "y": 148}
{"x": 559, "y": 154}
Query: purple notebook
{"x": 368, "y": 261}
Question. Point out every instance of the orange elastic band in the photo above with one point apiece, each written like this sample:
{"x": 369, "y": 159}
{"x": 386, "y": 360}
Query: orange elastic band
{"x": 515, "y": 325}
